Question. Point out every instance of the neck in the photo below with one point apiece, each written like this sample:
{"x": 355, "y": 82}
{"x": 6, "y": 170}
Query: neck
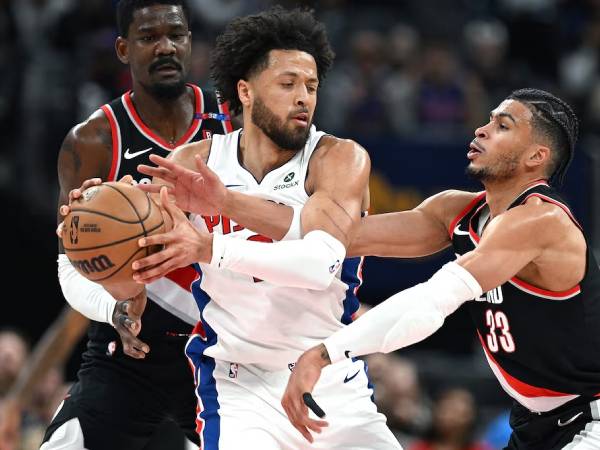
{"x": 500, "y": 194}
{"x": 169, "y": 118}
{"x": 259, "y": 154}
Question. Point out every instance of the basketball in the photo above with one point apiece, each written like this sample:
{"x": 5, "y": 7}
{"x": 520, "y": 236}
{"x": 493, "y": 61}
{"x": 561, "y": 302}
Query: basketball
{"x": 102, "y": 230}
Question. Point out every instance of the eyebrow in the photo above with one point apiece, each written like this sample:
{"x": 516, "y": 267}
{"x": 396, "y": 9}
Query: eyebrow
{"x": 503, "y": 114}
{"x": 295, "y": 75}
{"x": 151, "y": 28}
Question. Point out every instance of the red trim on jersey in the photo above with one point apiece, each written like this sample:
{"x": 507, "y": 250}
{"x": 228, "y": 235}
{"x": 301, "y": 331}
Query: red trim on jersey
{"x": 138, "y": 120}
{"x": 114, "y": 132}
{"x": 556, "y": 294}
{"x": 526, "y": 390}
{"x": 184, "y": 277}
{"x": 224, "y": 108}
{"x": 464, "y": 212}
{"x": 557, "y": 203}
{"x": 199, "y": 330}
{"x": 359, "y": 274}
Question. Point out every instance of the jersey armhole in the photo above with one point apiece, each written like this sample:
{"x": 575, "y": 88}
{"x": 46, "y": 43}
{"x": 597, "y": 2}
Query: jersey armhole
{"x": 463, "y": 213}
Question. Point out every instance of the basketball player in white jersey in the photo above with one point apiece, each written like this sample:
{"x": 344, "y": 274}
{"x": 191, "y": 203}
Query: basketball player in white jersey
{"x": 262, "y": 305}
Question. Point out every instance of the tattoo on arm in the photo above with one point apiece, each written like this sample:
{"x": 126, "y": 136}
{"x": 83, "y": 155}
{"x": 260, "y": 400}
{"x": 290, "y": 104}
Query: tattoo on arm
{"x": 325, "y": 354}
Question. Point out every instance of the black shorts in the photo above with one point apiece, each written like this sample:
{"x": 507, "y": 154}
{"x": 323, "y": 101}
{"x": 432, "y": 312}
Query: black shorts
{"x": 120, "y": 402}
{"x": 555, "y": 429}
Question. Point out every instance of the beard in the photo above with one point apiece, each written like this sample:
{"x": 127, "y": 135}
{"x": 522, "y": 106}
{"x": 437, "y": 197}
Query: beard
{"x": 167, "y": 90}
{"x": 501, "y": 170}
{"x": 274, "y": 128}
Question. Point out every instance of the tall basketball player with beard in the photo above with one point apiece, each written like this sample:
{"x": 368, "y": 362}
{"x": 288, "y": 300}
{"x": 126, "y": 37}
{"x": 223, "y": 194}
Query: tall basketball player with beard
{"x": 262, "y": 305}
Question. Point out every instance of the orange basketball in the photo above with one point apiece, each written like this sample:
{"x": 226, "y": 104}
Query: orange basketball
{"x": 102, "y": 230}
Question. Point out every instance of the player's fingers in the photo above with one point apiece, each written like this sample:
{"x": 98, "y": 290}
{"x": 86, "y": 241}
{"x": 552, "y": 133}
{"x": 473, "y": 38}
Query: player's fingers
{"x": 164, "y": 162}
{"x": 59, "y": 229}
{"x": 64, "y": 210}
{"x": 152, "y": 188}
{"x": 74, "y": 194}
{"x": 202, "y": 167}
{"x": 134, "y": 352}
{"x": 156, "y": 239}
{"x": 89, "y": 183}
{"x": 156, "y": 272}
{"x": 152, "y": 171}
{"x": 126, "y": 179}
{"x": 172, "y": 209}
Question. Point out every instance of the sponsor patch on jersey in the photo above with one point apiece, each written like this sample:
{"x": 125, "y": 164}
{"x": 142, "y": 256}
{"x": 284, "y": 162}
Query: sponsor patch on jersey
{"x": 112, "y": 347}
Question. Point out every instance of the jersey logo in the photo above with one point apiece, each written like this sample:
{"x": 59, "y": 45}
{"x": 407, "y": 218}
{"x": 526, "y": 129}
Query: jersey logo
{"x": 571, "y": 420}
{"x": 347, "y": 378}
{"x": 460, "y": 232}
{"x": 131, "y": 155}
{"x": 289, "y": 177}
{"x": 233, "y": 370}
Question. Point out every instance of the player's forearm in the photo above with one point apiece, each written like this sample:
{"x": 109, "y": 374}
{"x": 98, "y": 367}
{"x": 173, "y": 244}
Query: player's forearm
{"x": 310, "y": 263}
{"x": 259, "y": 215}
{"x": 53, "y": 348}
{"x": 407, "y": 317}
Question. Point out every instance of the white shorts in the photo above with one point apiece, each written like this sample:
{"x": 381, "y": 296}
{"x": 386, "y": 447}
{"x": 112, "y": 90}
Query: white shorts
{"x": 241, "y": 408}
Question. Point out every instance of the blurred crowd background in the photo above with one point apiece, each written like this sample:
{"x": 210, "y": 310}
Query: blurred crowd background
{"x": 412, "y": 80}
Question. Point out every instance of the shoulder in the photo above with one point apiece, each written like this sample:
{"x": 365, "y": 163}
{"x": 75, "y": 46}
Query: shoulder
{"x": 186, "y": 154}
{"x": 448, "y": 205}
{"x": 94, "y": 130}
{"x": 536, "y": 218}
{"x": 334, "y": 150}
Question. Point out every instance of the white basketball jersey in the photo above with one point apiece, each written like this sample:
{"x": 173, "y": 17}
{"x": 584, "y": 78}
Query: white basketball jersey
{"x": 250, "y": 321}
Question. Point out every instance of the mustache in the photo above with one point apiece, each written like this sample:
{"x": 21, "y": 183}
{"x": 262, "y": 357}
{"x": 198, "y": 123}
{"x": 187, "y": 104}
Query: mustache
{"x": 164, "y": 61}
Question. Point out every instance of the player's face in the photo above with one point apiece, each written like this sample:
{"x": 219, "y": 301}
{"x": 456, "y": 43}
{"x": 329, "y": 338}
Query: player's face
{"x": 158, "y": 49}
{"x": 500, "y": 146}
{"x": 285, "y": 97}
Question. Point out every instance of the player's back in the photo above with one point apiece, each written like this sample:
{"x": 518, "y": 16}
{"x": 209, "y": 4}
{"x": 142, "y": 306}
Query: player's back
{"x": 250, "y": 321}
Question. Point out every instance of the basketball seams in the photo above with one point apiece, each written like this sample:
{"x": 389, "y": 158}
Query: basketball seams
{"x": 137, "y": 213}
{"x": 116, "y": 219}
{"x": 119, "y": 268}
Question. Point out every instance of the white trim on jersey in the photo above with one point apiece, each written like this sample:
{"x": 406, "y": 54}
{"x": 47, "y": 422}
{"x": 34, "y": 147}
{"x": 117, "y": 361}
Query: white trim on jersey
{"x": 119, "y": 149}
{"x": 534, "y": 404}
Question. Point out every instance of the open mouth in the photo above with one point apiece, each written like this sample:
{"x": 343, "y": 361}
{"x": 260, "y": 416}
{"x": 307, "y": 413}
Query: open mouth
{"x": 474, "y": 150}
{"x": 302, "y": 118}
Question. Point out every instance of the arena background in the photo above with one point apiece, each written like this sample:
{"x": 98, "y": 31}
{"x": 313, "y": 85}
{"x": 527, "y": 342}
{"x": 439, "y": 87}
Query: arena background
{"x": 411, "y": 81}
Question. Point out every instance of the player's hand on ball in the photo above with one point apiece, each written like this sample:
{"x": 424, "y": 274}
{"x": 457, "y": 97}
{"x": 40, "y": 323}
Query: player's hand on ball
{"x": 182, "y": 245}
{"x": 198, "y": 192}
{"x": 297, "y": 396}
{"x": 127, "y": 319}
{"x": 77, "y": 193}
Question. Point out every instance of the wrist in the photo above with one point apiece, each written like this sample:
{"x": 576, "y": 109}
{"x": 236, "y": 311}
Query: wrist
{"x": 205, "y": 249}
{"x": 228, "y": 204}
{"x": 318, "y": 356}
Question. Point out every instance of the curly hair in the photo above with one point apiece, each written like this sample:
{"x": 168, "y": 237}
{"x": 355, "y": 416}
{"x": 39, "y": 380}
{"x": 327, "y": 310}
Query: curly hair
{"x": 555, "y": 121}
{"x": 126, "y": 8}
{"x": 243, "y": 48}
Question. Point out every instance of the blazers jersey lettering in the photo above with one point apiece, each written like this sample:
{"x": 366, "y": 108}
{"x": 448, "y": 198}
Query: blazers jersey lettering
{"x": 249, "y": 321}
{"x": 132, "y": 143}
{"x": 543, "y": 346}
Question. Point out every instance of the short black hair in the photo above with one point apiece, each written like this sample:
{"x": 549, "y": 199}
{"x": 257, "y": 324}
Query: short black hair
{"x": 126, "y": 8}
{"x": 555, "y": 121}
{"x": 244, "y": 46}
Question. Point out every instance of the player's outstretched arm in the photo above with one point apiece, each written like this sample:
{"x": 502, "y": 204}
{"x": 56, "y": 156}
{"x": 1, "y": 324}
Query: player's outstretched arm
{"x": 197, "y": 189}
{"x": 338, "y": 177}
{"x": 408, "y": 234}
{"x": 513, "y": 240}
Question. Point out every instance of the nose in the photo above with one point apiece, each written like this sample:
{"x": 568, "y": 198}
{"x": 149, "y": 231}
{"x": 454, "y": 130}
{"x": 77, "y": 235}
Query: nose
{"x": 165, "y": 46}
{"x": 301, "y": 95}
{"x": 481, "y": 132}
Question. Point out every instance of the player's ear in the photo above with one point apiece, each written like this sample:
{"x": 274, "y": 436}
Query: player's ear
{"x": 539, "y": 155}
{"x": 244, "y": 92}
{"x": 121, "y": 47}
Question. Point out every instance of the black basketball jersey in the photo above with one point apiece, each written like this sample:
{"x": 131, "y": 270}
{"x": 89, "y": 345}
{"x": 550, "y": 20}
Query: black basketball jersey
{"x": 543, "y": 346}
{"x": 132, "y": 144}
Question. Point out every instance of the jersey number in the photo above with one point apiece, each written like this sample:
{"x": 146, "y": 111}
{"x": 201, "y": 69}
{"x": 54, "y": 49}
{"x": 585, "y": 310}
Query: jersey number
{"x": 259, "y": 238}
{"x": 499, "y": 335}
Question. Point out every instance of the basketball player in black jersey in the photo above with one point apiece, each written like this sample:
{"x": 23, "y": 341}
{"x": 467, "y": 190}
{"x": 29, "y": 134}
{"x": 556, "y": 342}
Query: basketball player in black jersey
{"x": 524, "y": 268}
{"x": 129, "y": 384}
